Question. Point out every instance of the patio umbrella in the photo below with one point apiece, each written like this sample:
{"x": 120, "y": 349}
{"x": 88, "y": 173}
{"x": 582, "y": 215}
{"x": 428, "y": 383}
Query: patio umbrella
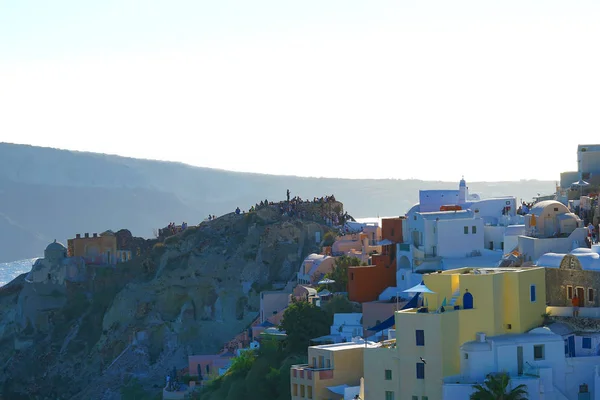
{"x": 580, "y": 184}
{"x": 420, "y": 288}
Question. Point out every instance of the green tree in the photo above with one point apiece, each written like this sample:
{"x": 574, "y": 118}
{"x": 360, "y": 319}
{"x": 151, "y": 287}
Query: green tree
{"x": 340, "y": 273}
{"x": 496, "y": 387}
{"x": 303, "y": 321}
{"x": 340, "y": 304}
{"x": 242, "y": 364}
{"x": 329, "y": 238}
{"x": 134, "y": 390}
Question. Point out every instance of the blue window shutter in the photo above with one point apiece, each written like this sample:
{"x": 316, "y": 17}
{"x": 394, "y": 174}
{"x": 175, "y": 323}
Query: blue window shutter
{"x": 420, "y": 371}
{"x": 586, "y": 343}
{"x": 420, "y": 336}
{"x": 532, "y": 293}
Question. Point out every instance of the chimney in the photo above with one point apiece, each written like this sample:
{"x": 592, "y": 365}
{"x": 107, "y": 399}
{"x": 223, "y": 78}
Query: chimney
{"x": 78, "y": 236}
{"x": 87, "y": 235}
{"x": 480, "y": 337}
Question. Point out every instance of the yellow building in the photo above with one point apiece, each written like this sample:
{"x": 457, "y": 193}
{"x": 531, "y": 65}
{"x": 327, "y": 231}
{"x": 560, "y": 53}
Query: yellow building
{"x": 494, "y": 301}
{"x": 97, "y": 249}
{"x": 330, "y": 366}
{"x": 382, "y": 371}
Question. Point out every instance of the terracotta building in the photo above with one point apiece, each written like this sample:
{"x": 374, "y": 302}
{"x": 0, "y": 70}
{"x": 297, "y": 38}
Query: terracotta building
{"x": 365, "y": 283}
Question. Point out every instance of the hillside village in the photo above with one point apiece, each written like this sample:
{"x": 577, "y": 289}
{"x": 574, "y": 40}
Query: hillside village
{"x": 456, "y": 289}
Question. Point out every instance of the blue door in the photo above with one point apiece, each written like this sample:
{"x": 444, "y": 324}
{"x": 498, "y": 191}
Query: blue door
{"x": 467, "y": 301}
{"x": 571, "y": 346}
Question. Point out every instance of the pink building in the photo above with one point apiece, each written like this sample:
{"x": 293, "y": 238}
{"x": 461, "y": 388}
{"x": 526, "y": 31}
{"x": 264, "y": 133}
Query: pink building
{"x": 375, "y": 312}
{"x": 209, "y": 366}
{"x": 314, "y": 267}
{"x": 272, "y": 302}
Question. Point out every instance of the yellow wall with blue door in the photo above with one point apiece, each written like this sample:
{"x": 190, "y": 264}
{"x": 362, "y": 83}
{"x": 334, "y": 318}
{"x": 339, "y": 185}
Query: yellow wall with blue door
{"x": 500, "y": 298}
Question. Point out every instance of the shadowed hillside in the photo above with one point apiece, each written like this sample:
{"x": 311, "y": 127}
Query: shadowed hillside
{"x": 48, "y": 194}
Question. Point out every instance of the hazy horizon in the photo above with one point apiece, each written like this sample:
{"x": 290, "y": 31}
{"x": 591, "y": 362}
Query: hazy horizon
{"x": 344, "y": 89}
{"x": 278, "y": 174}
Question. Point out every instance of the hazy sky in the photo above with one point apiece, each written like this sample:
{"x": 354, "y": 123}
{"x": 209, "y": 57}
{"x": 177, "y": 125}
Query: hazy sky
{"x": 494, "y": 90}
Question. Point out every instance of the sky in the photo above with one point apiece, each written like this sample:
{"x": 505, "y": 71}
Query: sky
{"x": 492, "y": 90}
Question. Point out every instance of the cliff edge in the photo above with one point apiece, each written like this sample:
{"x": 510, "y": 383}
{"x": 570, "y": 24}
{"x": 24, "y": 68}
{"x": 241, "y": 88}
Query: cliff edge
{"x": 190, "y": 294}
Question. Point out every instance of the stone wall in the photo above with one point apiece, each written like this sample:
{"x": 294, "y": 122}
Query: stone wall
{"x": 557, "y": 280}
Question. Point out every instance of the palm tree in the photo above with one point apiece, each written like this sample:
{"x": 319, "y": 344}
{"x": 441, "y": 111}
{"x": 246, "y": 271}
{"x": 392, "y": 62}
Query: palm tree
{"x": 496, "y": 387}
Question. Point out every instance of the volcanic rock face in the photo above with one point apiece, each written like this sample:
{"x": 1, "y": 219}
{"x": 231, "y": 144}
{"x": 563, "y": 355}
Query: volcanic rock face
{"x": 188, "y": 295}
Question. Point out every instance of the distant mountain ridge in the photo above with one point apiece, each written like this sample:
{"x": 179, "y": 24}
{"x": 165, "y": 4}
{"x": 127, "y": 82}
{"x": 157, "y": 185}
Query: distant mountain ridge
{"x": 48, "y": 194}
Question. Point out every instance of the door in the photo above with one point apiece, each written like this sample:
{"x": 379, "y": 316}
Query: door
{"x": 581, "y": 295}
{"x": 571, "y": 345}
{"x": 520, "y": 360}
{"x": 549, "y": 226}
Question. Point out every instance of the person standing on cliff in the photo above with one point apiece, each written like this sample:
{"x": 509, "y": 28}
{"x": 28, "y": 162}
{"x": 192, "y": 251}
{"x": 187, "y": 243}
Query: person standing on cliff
{"x": 288, "y": 195}
{"x": 575, "y": 303}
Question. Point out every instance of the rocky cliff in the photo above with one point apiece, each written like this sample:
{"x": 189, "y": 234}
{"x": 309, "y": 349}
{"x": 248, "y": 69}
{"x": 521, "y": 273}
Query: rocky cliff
{"x": 187, "y": 295}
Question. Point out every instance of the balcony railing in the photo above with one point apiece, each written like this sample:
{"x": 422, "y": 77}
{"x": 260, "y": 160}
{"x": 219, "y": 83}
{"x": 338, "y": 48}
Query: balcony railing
{"x": 305, "y": 371}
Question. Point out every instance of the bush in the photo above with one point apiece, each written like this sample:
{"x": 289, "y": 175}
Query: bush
{"x": 329, "y": 238}
{"x": 172, "y": 240}
{"x": 189, "y": 231}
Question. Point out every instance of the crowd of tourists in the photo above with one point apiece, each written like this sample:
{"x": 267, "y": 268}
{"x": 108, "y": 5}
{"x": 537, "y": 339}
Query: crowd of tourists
{"x": 524, "y": 208}
{"x": 172, "y": 229}
{"x": 293, "y": 207}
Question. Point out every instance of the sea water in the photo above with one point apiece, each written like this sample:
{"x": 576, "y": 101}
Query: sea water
{"x": 9, "y": 271}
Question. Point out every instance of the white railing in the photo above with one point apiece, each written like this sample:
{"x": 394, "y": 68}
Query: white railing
{"x": 585, "y": 312}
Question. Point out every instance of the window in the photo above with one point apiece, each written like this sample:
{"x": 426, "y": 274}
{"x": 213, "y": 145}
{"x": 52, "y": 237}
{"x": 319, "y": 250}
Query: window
{"x": 590, "y": 294}
{"x": 309, "y": 391}
{"x": 466, "y": 356}
{"x": 392, "y": 231}
{"x": 415, "y": 398}
{"x": 388, "y": 374}
{"x": 389, "y": 395}
{"x": 473, "y": 229}
{"x": 424, "y": 397}
{"x": 321, "y": 361}
{"x": 352, "y": 276}
{"x": 301, "y": 390}
{"x": 328, "y": 363}
{"x": 420, "y": 370}
{"x": 466, "y": 230}
{"x": 314, "y": 363}
{"x": 586, "y": 343}
{"x": 295, "y": 389}
{"x": 532, "y": 293}
{"x": 569, "y": 292}
{"x": 538, "y": 352}
{"x": 420, "y": 335}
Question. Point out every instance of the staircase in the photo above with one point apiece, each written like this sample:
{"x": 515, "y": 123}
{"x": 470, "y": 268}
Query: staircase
{"x": 454, "y": 298}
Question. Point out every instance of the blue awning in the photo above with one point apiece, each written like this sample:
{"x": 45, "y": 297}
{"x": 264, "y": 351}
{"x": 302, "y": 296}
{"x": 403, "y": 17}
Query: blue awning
{"x": 391, "y": 321}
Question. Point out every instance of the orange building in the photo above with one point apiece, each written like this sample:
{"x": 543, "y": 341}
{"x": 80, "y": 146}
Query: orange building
{"x": 97, "y": 249}
{"x": 366, "y": 283}
{"x": 391, "y": 229}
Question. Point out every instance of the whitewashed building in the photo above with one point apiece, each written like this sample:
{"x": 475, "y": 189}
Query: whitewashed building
{"x": 535, "y": 359}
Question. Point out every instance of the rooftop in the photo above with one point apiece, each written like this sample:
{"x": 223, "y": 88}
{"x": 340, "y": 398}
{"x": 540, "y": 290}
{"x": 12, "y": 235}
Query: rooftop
{"x": 346, "y": 346}
{"x": 484, "y": 270}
